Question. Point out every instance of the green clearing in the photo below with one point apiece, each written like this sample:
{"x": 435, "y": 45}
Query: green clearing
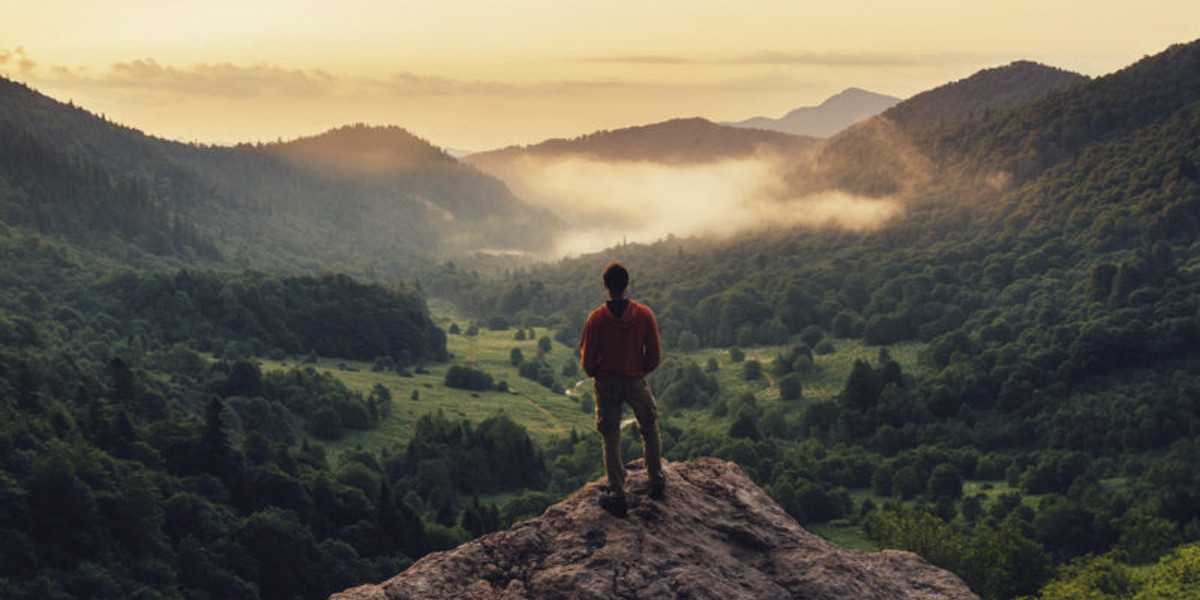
{"x": 547, "y": 415}
{"x": 541, "y": 411}
{"x": 824, "y": 382}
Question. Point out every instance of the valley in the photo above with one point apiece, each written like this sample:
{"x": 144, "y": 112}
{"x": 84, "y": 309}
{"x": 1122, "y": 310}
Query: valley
{"x": 965, "y": 324}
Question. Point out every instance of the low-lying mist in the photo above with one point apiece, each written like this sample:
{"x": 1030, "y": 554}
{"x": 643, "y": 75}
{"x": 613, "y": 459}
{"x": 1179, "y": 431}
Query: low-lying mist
{"x": 607, "y": 202}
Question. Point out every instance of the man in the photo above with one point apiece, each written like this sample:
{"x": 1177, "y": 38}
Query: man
{"x": 619, "y": 347}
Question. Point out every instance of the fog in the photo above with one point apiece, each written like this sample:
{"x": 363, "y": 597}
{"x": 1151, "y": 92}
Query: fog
{"x": 607, "y": 202}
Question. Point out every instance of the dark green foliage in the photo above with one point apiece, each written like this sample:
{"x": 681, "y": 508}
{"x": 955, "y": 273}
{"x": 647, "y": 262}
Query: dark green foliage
{"x": 945, "y": 482}
{"x": 736, "y": 355}
{"x": 812, "y": 335}
{"x": 862, "y": 387}
{"x": 1049, "y": 273}
{"x": 570, "y": 368}
{"x": 688, "y": 342}
{"x": 468, "y": 378}
{"x": 790, "y": 387}
{"x": 745, "y": 426}
{"x": 545, "y": 345}
{"x": 331, "y": 315}
{"x": 540, "y": 371}
{"x": 752, "y": 370}
{"x": 684, "y": 384}
{"x": 516, "y": 356}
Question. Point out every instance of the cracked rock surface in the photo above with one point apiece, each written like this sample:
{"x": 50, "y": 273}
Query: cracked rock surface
{"x": 716, "y": 535}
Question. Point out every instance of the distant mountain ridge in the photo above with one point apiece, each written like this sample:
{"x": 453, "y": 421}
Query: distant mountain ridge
{"x": 827, "y": 118}
{"x": 364, "y": 150}
{"x": 302, "y": 205}
{"x": 675, "y": 141}
{"x": 991, "y": 89}
{"x": 898, "y": 149}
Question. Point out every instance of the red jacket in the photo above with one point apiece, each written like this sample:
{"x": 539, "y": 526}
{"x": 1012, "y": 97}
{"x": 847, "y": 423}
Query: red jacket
{"x": 627, "y": 345}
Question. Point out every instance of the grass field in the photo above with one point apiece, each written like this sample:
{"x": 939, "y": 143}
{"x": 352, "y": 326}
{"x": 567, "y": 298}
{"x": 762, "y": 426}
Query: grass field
{"x": 825, "y": 382}
{"x": 546, "y": 414}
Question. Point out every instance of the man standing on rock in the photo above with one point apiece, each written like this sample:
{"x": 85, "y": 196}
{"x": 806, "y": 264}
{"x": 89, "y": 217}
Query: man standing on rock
{"x": 619, "y": 347}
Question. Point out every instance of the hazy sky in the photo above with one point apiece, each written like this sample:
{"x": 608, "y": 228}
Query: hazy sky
{"x": 477, "y": 75}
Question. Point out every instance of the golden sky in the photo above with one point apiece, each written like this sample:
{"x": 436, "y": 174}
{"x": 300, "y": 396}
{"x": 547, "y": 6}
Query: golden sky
{"x": 477, "y": 75}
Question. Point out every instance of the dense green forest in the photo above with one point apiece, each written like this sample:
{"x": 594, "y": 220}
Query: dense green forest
{"x": 297, "y": 206}
{"x": 1059, "y": 315}
{"x": 1046, "y": 271}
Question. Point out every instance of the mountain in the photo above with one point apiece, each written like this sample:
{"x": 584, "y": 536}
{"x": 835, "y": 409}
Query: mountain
{"x": 356, "y": 198}
{"x": 894, "y": 152}
{"x": 716, "y": 536}
{"x": 1044, "y": 276}
{"x": 364, "y": 151}
{"x": 827, "y": 118}
{"x": 994, "y": 89}
{"x": 677, "y": 141}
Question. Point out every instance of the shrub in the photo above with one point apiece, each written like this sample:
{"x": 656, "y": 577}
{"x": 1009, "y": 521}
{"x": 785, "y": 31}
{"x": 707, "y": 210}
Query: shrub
{"x": 812, "y": 335}
{"x": 752, "y": 370}
{"x": 468, "y": 378}
{"x": 790, "y": 387}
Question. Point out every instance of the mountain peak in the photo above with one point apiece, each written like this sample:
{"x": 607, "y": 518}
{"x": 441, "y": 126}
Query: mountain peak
{"x": 716, "y": 535}
{"x": 683, "y": 140}
{"x": 1000, "y": 87}
{"x": 364, "y": 149}
{"x": 834, "y": 114}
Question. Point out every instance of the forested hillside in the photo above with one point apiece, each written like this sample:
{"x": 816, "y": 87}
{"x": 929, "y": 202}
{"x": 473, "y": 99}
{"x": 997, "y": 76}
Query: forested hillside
{"x": 897, "y": 151}
{"x": 1002, "y": 378}
{"x": 1057, "y": 310}
{"x": 283, "y": 207}
{"x": 678, "y": 141}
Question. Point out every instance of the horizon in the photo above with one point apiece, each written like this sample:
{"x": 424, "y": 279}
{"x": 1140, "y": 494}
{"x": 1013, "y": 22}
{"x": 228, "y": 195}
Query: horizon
{"x": 244, "y": 74}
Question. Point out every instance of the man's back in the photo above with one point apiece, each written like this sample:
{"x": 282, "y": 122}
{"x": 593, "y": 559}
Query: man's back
{"x": 620, "y": 344}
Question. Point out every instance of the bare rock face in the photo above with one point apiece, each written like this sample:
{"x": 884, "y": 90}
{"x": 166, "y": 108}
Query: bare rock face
{"x": 716, "y": 536}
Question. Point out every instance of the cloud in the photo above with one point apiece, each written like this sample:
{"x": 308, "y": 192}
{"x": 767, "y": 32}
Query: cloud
{"x": 17, "y": 56}
{"x": 149, "y": 77}
{"x": 641, "y": 59}
{"x": 217, "y": 79}
{"x": 814, "y": 59}
{"x": 605, "y": 201}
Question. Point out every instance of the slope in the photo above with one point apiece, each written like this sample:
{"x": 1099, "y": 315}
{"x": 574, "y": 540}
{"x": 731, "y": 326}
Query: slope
{"x": 1058, "y": 310}
{"x": 827, "y": 118}
{"x": 896, "y": 152}
{"x": 281, "y": 206}
{"x": 677, "y": 141}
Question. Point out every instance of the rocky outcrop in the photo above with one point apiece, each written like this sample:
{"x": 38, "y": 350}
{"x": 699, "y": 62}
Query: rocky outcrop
{"x": 716, "y": 535}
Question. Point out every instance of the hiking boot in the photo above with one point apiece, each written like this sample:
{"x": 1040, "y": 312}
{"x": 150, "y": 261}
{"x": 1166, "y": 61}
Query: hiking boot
{"x": 614, "y": 504}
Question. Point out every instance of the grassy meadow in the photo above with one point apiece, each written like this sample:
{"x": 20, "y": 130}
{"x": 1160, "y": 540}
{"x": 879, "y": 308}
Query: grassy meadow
{"x": 547, "y": 414}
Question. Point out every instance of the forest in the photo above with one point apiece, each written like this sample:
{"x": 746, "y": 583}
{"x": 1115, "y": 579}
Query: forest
{"x": 1038, "y": 437}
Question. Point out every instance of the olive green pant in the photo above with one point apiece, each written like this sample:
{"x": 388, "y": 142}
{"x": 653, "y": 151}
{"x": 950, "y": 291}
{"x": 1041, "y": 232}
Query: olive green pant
{"x": 612, "y": 393}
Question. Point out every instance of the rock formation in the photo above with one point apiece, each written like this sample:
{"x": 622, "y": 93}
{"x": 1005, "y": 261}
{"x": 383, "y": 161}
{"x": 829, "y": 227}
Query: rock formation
{"x": 716, "y": 535}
